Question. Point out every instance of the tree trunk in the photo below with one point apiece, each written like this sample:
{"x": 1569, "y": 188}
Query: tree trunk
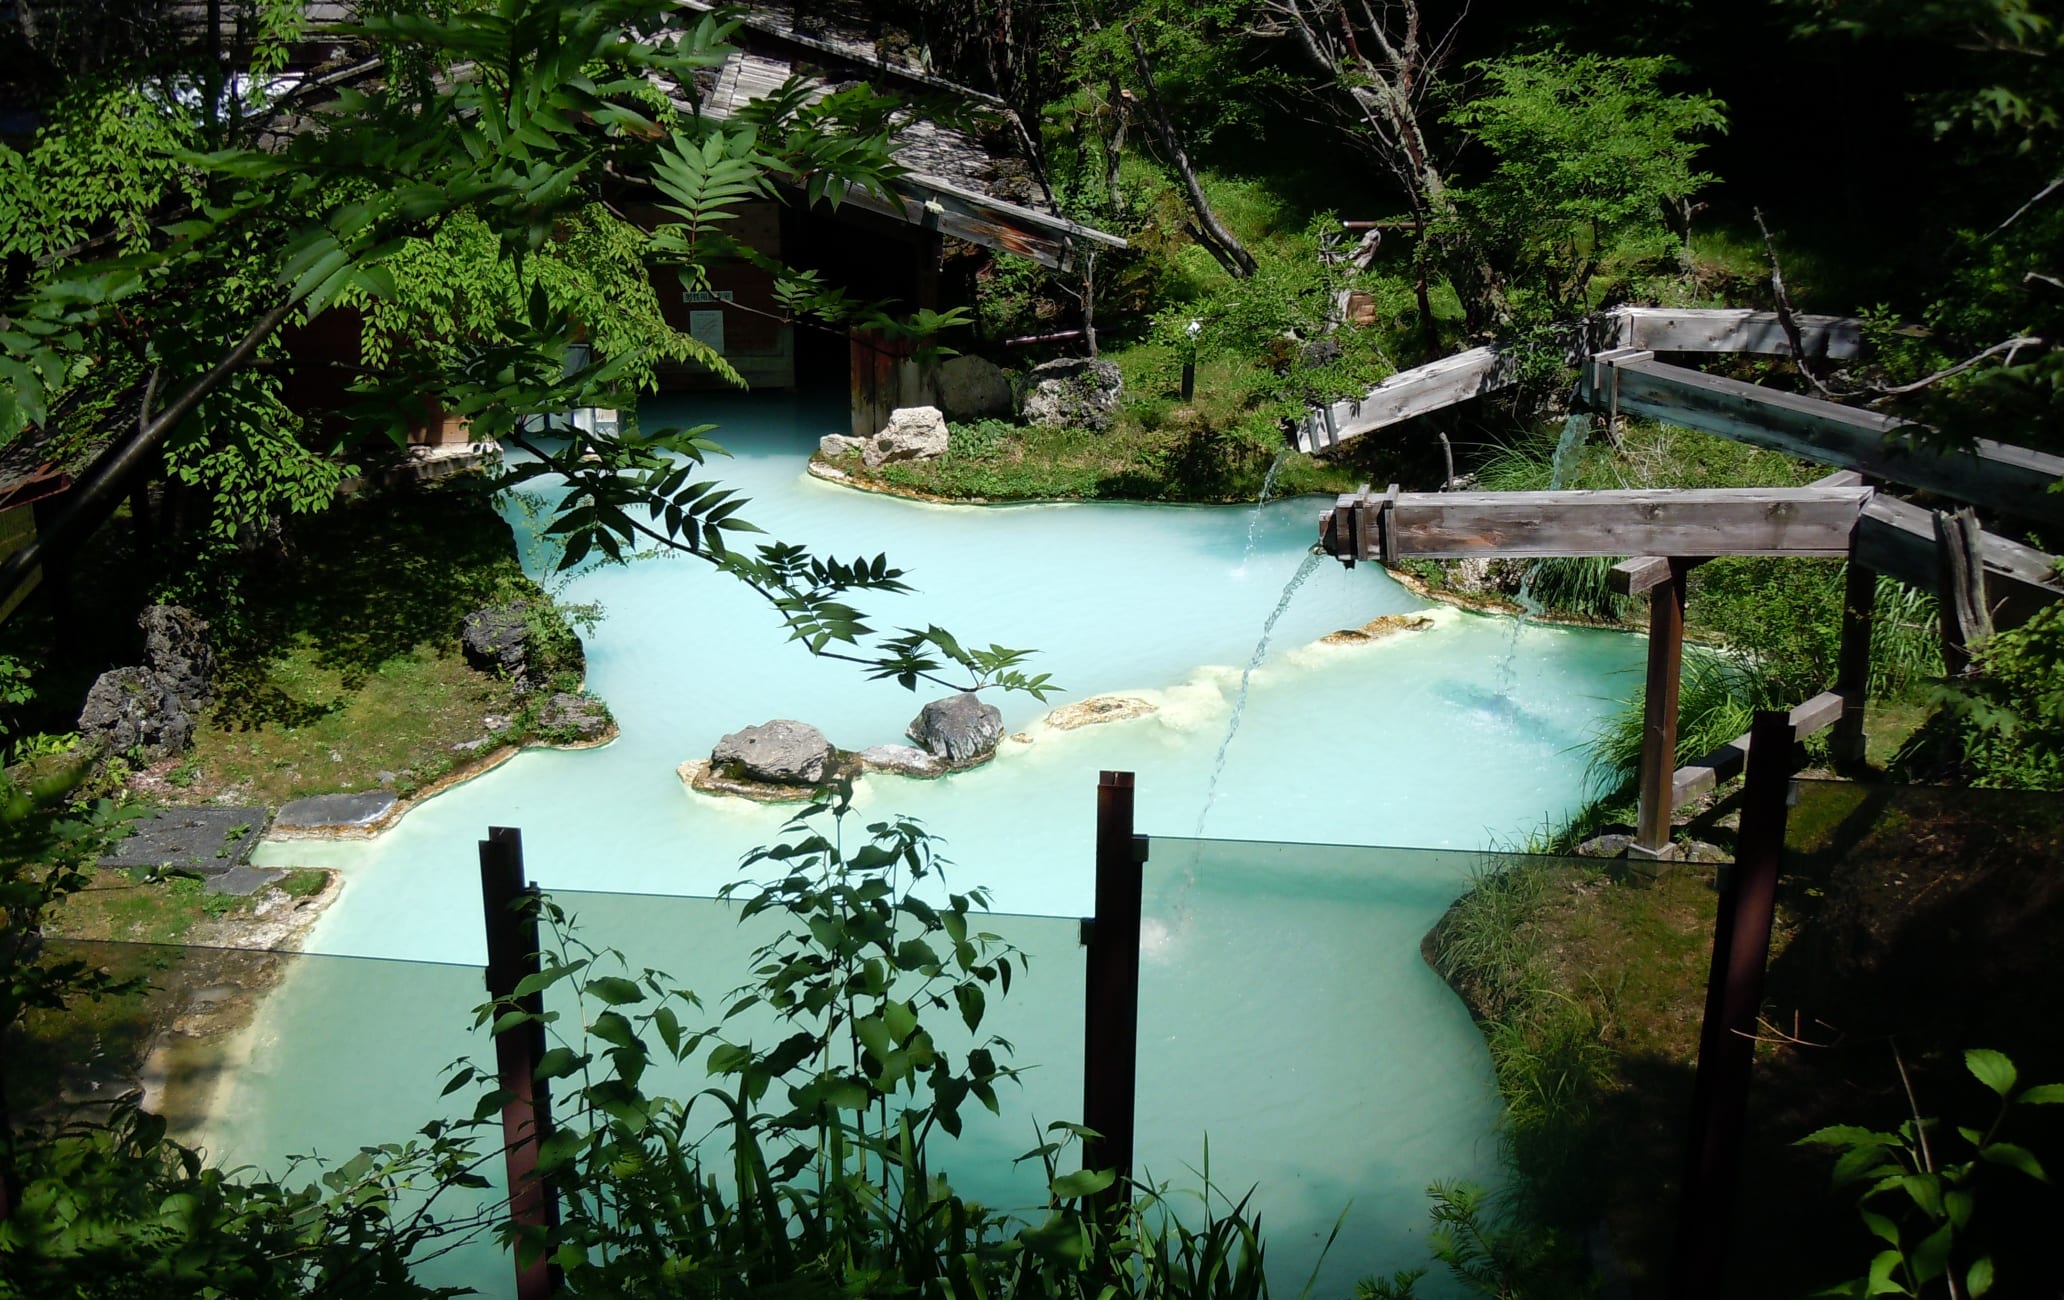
{"x": 1221, "y": 243}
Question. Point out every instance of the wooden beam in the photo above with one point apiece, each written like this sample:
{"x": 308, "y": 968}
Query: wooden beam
{"x": 932, "y": 204}
{"x": 1648, "y": 522}
{"x": 1998, "y": 475}
{"x": 1406, "y": 395}
{"x": 1897, "y": 539}
{"x": 1643, "y": 572}
{"x": 1682, "y": 329}
{"x": 1725, "y": 763}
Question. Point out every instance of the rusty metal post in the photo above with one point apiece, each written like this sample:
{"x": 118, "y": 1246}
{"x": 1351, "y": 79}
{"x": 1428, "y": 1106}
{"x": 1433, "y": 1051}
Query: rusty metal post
{"x": 1734, "y": 998}
{"x": 510, "y": 908}
{"x": 1659, "y": 716}
{"x": 1852, "y": 665}
{"x": 1110, "y": 1021}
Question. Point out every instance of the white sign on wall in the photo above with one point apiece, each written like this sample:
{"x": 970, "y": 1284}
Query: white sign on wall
{"x": 707, "y": 327}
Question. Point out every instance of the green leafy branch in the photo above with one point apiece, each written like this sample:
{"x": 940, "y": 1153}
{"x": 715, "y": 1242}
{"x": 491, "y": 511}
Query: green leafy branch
{"x": 1921, "y": 1205}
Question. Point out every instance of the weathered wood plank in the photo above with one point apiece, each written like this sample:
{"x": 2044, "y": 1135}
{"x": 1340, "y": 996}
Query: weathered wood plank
{"x": 1897, "y": 539}
{"x": 1682, "y": 329}
{"x": 1726, "y": 762}
{"x": 1406, "y": 395}
{"x": 1998, "y": 475}
{"x": 1653, "y": 522}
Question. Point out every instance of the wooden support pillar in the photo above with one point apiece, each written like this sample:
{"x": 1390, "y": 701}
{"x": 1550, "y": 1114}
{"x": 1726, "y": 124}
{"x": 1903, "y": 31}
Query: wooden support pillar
{"x": 1852, "y": 666}
{"x": 1659, "y": 716}
{"x": 1734, "y": 998}
{"x": 510, "y": 908}
{"x": 1110, "y": 1021}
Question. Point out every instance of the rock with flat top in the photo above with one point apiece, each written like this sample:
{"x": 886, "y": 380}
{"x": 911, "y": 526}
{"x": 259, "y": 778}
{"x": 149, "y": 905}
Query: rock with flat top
{"x": 1377, "y": 628}
{"x": 959, "y": 730}
{"x": 839, "y": 444}
{"x": 1099, "y": 708}
{"x": 912, "y": 433}
{"x": 900, "y": 760}
{"x": 336, "y": 813}
{"x": 781, "y": 752}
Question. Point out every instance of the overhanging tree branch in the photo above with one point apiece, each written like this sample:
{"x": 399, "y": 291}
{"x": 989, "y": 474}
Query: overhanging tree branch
{"x": 108, "y": 480}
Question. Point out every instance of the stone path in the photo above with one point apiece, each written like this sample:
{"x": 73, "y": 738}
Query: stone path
{"x": 210, "y": 840}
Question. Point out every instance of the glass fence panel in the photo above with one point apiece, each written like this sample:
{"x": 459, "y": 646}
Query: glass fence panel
{"x": 261, "y": 1058}
{"x": 1288, "y": 1017}
{"x": 702, "y": 946}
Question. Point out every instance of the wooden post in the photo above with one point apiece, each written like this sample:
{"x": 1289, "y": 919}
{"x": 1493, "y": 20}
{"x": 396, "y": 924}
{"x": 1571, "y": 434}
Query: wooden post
{"x": 1659, "y": 716}
{"x": 510, "y": 908}
{"x": 1852, "y": 666}
{"x": 1734, "y": 997}
{"x": 1960, "y": 589}
{"x": 1110, "y": 1021}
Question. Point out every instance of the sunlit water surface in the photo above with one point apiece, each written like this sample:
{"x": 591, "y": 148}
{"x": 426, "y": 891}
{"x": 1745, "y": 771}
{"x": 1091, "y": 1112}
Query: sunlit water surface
{"x": 1286, "y": 1011}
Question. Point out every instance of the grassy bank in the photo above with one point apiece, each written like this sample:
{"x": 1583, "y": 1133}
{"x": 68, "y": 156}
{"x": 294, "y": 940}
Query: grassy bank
{"x": 340, "y": 669}
{"x": 1182, "y": 458}
{"x": 123, "y": 906}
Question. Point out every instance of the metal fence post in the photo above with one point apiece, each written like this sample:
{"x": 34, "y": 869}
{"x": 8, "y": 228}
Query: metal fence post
{"x": 1110, "y": 1022}
{"x": 510, "y": 907}
{"x": 1734, "y": 998}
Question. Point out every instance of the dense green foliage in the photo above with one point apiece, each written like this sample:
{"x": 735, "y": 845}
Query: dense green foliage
{"x": 1593, "y": 158}
{"x": 2013, "y": 710}
{"x": 1919, "y": 1204}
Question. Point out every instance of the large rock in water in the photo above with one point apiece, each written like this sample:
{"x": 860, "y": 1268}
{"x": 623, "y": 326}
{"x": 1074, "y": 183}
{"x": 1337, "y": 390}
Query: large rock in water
{"x": 781, "y": 752}
{"x": 133, "y": 709}
{"x": 1073, "y": 393}
{"x": 912, "y": 433}
{"x": 175, "y": 647}
{"x": 959, "y": 730}
{"x": 972, "y": 387}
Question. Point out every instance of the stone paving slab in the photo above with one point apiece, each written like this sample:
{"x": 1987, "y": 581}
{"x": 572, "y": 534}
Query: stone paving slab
{"x": 242, "y": 882}
{"x": 336, "y": 812}
{"x": 209, "y": 840}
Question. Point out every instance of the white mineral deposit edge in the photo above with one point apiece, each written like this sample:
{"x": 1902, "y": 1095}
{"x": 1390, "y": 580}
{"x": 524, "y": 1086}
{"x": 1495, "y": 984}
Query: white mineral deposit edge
{"x": 1286, "y": 1012}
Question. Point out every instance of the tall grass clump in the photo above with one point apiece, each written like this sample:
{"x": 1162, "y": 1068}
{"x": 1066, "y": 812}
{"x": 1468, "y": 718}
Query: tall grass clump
{"x": 1716, "y": 701}
{"x": 1547, "y": 1050}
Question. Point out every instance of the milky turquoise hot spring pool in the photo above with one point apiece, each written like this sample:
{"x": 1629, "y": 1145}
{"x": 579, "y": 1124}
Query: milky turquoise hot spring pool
{"x": 1286, "y": 1012}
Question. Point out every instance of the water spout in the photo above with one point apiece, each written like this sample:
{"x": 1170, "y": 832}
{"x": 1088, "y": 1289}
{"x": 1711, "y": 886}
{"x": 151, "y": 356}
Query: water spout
{"x": 1268, "y": 630}
{"x": 1575, "y": 428}
{"x": 1268, "y": 489}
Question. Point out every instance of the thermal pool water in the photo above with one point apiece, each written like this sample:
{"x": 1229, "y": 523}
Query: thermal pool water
{"x": 1285, "y": 1012}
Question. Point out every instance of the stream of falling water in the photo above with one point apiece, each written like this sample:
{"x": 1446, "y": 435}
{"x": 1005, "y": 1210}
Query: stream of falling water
{"x": 1268, "y": 489}
{"x": 1268, "y": 629}
{"x": 1574, "y": 427}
